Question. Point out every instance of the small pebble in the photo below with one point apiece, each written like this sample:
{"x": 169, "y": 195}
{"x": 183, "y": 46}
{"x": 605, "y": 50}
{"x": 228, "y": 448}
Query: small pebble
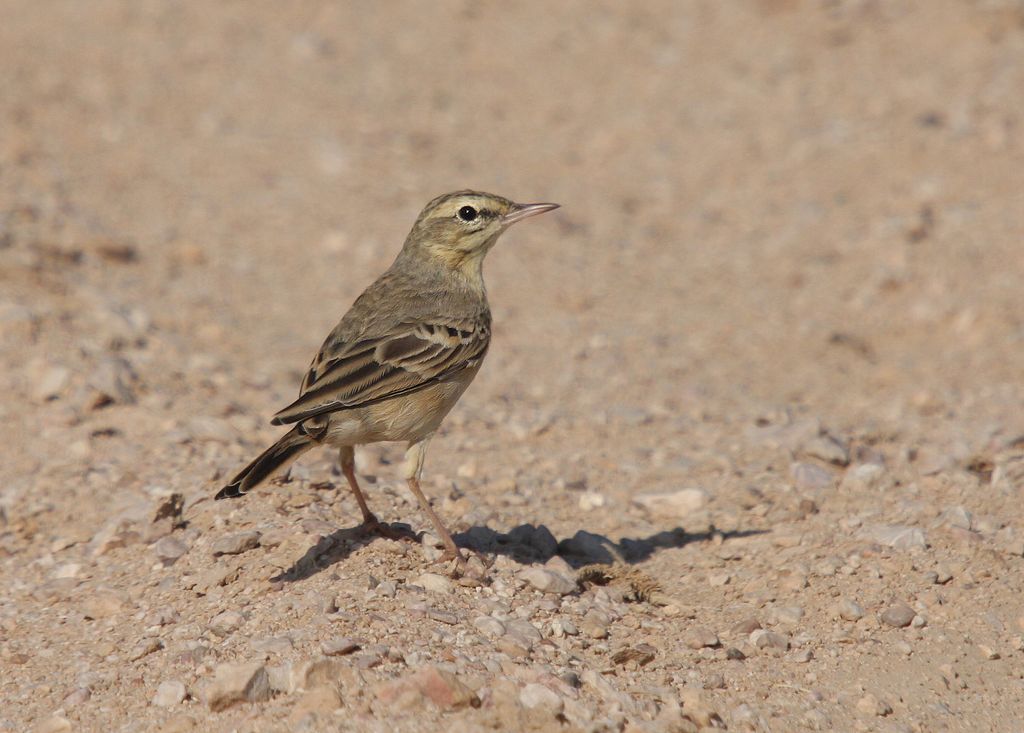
{"x": 67, "y": 570}
{"x": 235, "y": 544}
{"x": 225, "y": 622}
{"x": 746, "y": 626}
{"x": 898, "y": 615}
{"x": 802, "y": 656}
{"x": 701, "y": 637}
{"x": 871, "y": 705}
{"x": 716, "y": 580}
{"x": 903, "y": 648}
{"x": 76, "y": 697}
{"x": 489, "y": 626}
{"x": 595, "y": 624}
{"x": 865, "y": 477}
{"x": 144, "y": 648}
{"x": 51, "y": 383}
{"x": 338, "y": 646}
{"x": 169, "y": 693}
{"x": 237, "y": 683}
{"x": 53, "y": 724}
{"x": 959, "y": 517}
{"x": 169, "y": 549}
{"x": 788, "y": 614}
{"x": 434, "y": 583}
{"x": 511, "y": 647}
{"x": 564, "y": 627}
{"x": 522, "y": 632}
{"x": 548, "y": 581}
{"x": 746, "y": 718}
{"x": 850, "y": 610}
{"x": 273, "y": 644}
{"x": 827, "y": 448}
{"x": 714, "y": 681}
{"x": 942, "y": 574}
{"x": 763, "y": 639}
{"x": 988, "y": 652}
{"x": 678, "y": 504}
{"x": 445, "y": 617}
{"x": 897, "y": 536}
{"x": 540, "y": 697}
{"x": 815, "y": 719}
{"x": 810, "y": 476}
{"x": 590, "y": 500}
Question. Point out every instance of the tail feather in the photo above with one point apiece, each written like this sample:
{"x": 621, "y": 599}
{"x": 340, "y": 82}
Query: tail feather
{"x": 275, "y": 458}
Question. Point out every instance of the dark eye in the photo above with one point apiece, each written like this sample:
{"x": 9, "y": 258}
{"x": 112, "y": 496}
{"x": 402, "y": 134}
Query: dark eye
{"x": 467, "y": 213}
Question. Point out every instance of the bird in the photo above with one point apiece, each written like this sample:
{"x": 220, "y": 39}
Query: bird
{"x": 403, "y": 354}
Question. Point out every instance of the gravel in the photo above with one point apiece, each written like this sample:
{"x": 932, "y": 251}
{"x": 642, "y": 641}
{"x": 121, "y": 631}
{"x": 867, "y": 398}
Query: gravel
{"x": 747, "y": 368}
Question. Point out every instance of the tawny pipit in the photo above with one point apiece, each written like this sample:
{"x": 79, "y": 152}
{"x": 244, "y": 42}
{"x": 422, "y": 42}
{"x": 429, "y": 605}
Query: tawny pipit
{"x": 403, "y": 354}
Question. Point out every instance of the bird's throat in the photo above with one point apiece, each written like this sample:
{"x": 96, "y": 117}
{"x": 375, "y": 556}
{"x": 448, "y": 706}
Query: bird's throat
{"x": 468, "y": 264}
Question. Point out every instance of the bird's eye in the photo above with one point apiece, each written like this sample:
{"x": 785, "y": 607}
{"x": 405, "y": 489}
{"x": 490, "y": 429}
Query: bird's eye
{"x": 467, "y": 213}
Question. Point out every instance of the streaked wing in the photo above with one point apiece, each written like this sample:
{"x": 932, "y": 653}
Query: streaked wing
{"x": 411, "y": 357}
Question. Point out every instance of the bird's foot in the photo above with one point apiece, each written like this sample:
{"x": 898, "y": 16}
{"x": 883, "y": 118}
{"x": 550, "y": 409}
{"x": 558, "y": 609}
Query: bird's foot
{"x": 456, "y": 562}
{"x": 373, "y": 526}
{"x": 452, "y": 555}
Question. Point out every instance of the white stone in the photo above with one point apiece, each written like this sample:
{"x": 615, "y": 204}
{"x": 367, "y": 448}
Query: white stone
{"x": 51, "y": 383}
{"x": 434, "y": 583}
{"x": 679, "y": 504}
{"x": 536, "y": 696}
{"x": 548, "y": 581}
{"x": 170, "y": 692}
{"x": 235, "y": 683}
{"x": 226, "y": 622}
{"x": 896, "y": 536}
{"x": 866, "y": 477}
{"x": 849, "y": 610}
{"x": 590, "y": 500}
{"x": 489, "y": 625}
{"x": 67, "y": 570}
{"x": 234, "y": 544}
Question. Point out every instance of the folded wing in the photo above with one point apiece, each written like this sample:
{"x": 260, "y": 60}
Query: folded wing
{"x": 367, "y": 371}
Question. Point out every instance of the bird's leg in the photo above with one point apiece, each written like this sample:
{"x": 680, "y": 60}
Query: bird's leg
{"x": 414, "y": 456}
{"x": 347, "y": 457}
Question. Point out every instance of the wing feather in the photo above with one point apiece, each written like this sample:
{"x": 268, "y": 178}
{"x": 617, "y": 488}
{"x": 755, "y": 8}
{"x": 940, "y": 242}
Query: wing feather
{"x": 409, "y": 358}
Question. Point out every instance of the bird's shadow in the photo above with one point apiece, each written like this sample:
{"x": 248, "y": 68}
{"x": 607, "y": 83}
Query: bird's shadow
{"x": 526, "y": 544}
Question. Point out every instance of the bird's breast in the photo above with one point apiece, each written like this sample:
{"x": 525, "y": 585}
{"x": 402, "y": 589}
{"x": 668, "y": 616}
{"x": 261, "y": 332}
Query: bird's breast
{"x": 410, "y": 417}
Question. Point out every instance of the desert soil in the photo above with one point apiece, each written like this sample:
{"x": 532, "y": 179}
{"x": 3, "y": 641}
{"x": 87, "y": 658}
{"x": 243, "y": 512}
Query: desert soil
{"x": 764, "y": 367}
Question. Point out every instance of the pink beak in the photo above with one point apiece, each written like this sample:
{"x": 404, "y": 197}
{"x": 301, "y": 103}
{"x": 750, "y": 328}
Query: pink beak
{"x": 525, "y": 211}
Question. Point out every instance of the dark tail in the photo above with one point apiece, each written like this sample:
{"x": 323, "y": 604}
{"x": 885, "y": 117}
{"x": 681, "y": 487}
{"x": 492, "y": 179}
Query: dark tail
{"x": 278, "y": 456}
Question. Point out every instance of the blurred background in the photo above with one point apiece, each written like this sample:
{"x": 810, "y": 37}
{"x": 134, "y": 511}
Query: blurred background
{"x": 767, "y": 205}
{"x": 806, "y": 167}
{"x": 782, "y": 220}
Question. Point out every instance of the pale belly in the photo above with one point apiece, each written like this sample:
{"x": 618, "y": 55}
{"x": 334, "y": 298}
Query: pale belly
{"x": 409, "y": 418}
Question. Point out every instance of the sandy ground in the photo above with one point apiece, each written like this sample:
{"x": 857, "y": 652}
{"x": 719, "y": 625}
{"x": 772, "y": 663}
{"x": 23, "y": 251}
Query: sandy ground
{"x": 764, "y": 365}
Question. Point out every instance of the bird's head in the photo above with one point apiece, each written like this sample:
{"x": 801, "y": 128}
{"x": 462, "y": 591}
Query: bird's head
{"x": 460, "y": 228}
